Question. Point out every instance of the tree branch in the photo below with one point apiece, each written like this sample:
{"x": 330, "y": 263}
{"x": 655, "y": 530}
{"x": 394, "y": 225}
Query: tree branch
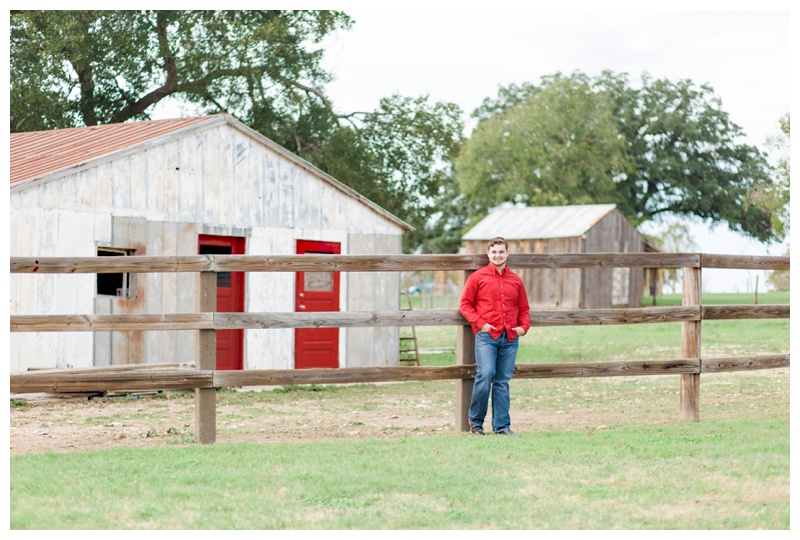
{"x": 169, "y": 87}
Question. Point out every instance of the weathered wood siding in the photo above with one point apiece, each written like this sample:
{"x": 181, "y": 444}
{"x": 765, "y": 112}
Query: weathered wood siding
{"x": 576, "y": 288}
{"x": 219, "y": 181}
{"x": 613, "y": 234}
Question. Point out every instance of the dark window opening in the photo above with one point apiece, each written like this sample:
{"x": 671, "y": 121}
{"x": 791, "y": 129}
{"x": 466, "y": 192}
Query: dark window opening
{"x": 115, "y": 284}
{"x": 223, "y": 278}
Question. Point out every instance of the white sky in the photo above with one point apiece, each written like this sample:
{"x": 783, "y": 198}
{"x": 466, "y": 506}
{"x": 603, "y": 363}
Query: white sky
{"x": 463, "y": 52}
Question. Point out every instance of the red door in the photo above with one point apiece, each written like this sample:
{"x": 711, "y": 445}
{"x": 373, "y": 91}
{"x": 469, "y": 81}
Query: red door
{"x": 316, "y": 291}
{"x": 230, "y": 298}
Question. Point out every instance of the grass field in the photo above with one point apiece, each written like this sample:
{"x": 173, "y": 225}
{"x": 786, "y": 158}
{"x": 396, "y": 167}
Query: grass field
{"x": 609, "y": 343}
{"x": 708, "y": 475}
{"x": 596, "y": 453}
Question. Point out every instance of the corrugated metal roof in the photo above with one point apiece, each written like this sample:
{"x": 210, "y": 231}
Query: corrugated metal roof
{"x": 37, "y": 153}
{"x": 524, "y": 222}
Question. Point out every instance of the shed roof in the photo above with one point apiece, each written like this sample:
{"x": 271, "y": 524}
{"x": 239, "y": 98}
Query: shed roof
{"x": 43, "y": 156}
{"x": 538, "y": 222}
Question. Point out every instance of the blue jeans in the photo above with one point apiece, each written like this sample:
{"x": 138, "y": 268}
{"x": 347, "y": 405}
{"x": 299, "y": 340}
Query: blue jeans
{"x": 495, "y": 366}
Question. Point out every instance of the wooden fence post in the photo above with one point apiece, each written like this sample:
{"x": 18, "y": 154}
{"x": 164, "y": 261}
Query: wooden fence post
{"x": 205, "y": 399}
{"x": 690, "y": 345}
{"x": 465, "y": 355}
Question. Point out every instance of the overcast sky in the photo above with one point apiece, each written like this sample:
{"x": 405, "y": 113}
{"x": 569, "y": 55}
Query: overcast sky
{"x": 463, "y": 52}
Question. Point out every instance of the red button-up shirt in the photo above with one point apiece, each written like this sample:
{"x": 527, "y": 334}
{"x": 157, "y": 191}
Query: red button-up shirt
{"x": 496, "y": 298}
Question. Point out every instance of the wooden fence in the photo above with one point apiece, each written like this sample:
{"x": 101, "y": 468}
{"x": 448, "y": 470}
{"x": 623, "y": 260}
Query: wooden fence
{"x": 204, "y": 378}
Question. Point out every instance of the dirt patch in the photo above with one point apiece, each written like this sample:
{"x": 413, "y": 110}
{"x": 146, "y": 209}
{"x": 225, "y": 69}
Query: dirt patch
{"x": 266, "y": 415}
{"x": 151, "y": 422}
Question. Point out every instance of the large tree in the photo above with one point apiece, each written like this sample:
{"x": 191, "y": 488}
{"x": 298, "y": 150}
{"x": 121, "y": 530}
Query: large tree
{"x": 559, "y": 146}
{"x": 83, "y": 68}
{"x": 99, "y": 67}
{"x": 682, "y": 154}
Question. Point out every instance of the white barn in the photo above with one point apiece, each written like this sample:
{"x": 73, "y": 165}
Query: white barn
{"x": 183, "y": 187}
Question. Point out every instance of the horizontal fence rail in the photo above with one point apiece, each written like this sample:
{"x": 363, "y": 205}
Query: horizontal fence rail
{"x": 381, "y": 263}
{"x": 251, "y": 321}
{"x": 203, "y": 379}
{"x": 155, "y": 378}
{"x": 186, "y": 378}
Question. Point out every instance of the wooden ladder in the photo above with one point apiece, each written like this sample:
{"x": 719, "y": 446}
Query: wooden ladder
{"x": 409, "y": 348}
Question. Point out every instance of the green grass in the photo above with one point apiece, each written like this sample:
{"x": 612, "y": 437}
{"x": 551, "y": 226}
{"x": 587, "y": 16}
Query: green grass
{"x": 709, "y": 475}
{"x": 651, "y": 341}
{"x": 771, "y": 297}
{"x": 606, "y": 453}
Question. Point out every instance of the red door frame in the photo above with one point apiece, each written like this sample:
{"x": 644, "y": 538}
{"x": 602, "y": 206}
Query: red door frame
{"x": 230, "y": 298}
{"x": 316, "y": 347}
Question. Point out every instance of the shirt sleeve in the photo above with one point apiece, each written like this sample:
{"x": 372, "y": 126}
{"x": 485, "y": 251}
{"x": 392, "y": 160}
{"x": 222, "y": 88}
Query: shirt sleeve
{"x": 524, "y": 309}
{"x": 469, "y": 299}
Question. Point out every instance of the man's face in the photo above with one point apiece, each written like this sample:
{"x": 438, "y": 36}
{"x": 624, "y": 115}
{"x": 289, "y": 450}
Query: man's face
{"x": 498, "y": 255}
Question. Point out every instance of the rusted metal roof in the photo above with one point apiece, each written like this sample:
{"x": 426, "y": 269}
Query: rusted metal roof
{"x": 534, "y": 222}
{"x": 37, "y": 153}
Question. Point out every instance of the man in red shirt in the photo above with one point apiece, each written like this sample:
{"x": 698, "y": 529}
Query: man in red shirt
{"x": 495, "y": 303}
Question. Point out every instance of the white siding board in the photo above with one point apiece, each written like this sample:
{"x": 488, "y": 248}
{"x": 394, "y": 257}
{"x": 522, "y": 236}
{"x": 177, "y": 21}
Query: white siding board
{"x": 270, "y": 193}
{"x": 182, "y": 177}
{"x": 186, "y": 293}
{"x": 156, "y": 292}
{"x": 121, "y": 184}
{"x": 103, "y": 201}
{"x": 286, "y": 183}
{"x": 102, "y": 228}
{"x": 376, "y": 291}
{"x": 139, "y": 180}
{"x": 162, "y": 177}
{"x": 269, "y": 292}
{"x": 86, "y": 190}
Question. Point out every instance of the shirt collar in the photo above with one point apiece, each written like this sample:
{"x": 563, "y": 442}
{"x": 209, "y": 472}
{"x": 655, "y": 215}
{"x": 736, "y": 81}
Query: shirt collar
{"x": 493, "y": 270}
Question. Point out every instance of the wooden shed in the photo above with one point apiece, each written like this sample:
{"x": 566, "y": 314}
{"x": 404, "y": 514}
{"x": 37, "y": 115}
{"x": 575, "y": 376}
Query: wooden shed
{"x": 595, "y": 228}
{"x": 205, "y": 185}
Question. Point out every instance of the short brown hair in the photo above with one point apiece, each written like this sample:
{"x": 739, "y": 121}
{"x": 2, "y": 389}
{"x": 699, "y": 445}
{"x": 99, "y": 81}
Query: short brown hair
{"x": 496, "y": 241}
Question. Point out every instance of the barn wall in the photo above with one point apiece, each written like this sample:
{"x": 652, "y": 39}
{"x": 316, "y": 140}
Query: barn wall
{"x": 39, "y": 232}
{"x": 373, "y": 291}
{"x": 220, "y": 181}
{"x": 613, "y": 234}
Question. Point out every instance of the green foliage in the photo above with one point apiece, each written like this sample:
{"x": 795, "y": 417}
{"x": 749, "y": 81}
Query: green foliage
{"x": 779, "y": 280}
{"x": 560, "y": 146}
{"x": 674, "y": 238}
{"x": 679, "y": 155}
{"x": 774, "y": 197}
{"x": 99, "y": 67}
{"x": 688, "y": 160}
{"x": 398, "y": 156}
